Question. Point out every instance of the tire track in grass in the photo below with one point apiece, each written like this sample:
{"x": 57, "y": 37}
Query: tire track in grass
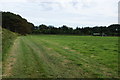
{"x": 11, "y": 59}
{"x": 38, "y": 64}
{"x": 40, "y": 58}
{"x": 21, "y": 68}
{"x": 36, "y": 53}
{"x": 28, "y": 65}
{"x": 72, "y": 69}
{"x": 39, "y": 51}
{"x": 56, "y": 65}
{"x": 66, "y": 56}
{"x": 97, "y": 69}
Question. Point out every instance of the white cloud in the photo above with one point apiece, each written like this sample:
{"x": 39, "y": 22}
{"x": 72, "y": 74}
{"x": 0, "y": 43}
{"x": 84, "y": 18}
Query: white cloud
{"x": 13, "y": 0}
{"x": 71, "y": 12}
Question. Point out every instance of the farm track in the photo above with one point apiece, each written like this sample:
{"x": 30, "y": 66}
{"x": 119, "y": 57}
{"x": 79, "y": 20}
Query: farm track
{"x": 40, "y": 58}
{"x": 11, "y": 59}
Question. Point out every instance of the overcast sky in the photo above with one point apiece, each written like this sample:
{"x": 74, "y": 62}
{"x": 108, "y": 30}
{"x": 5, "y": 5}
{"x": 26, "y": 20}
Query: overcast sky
{"x": 73, "y": 13}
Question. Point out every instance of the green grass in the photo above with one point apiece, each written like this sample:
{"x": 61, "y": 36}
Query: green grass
{"x": 62, "y": 56}
{"x": 8, "y": 38}
{"x": 0, "y": 52}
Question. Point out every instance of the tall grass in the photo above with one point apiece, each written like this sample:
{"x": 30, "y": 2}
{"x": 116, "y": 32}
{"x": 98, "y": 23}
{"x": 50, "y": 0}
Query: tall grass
{"x": 8, "y": 38}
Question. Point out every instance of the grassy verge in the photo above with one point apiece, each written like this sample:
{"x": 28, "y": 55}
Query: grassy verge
{"x": 8, "y": 38}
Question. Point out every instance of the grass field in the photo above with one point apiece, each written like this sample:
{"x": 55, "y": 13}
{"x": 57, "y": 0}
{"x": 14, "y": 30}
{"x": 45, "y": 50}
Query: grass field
{"x": 62, "y": 56}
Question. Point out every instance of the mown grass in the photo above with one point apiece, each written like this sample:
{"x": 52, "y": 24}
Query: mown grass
{"x": 60, "y": 56}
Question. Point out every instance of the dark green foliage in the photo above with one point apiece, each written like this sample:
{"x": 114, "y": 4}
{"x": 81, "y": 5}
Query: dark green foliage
{"x": 16, "y": 23}
{"x": 115, "y": 29}
{"x": 112, "y": 30}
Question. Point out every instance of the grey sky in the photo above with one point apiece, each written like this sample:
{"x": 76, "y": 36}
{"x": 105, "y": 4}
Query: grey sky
{"x": 65, "y": 12}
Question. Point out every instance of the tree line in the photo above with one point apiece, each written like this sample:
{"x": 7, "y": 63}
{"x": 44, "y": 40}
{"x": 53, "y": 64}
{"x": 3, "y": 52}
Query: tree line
{"x": 16, "y": 23}
{"x": 112, "y": 30}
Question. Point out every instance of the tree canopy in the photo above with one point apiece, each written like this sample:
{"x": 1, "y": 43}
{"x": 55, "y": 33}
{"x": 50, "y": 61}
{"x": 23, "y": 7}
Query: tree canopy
{"x": 16, "y": 23}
